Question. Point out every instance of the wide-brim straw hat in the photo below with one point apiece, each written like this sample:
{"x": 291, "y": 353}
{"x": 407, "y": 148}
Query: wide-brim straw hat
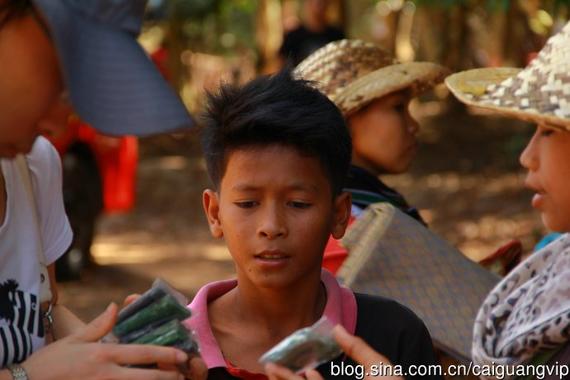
{"x": 352, "y": 73}
{"x": 539, "y": 93}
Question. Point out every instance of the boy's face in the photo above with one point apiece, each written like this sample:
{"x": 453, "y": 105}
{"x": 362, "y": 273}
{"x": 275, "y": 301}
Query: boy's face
{"x": 547, "y": 159}
{"x": 384, "y": 135}
{"x": 275, "y": 211}
{"x": 30, "y": 83}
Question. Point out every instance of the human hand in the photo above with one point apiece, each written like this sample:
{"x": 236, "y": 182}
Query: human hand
{"x": 194, "y": 368}
{"x": 277, "y": 372}
{"x": 81, "y": 356}
{"x": 130, "y": 299}
{"x": 353, "y": 346}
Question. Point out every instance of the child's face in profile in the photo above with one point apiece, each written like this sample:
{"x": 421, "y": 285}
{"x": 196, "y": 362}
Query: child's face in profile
{"x": 384, "y": 135}
{"x": 30, "y": 83}
{"x": 547, "y": 159}
{"x": 275, "y": 211}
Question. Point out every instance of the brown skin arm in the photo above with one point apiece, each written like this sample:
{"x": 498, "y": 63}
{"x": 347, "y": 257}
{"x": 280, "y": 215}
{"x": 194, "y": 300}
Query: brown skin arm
{"x": 64, "y": 321}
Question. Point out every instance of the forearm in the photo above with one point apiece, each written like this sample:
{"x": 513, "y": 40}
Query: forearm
{"x": 5, "y": 375}
{"x": 65, "y": 322}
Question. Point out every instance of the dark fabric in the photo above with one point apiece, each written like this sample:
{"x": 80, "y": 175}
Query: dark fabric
{"x": 394, "y": 331}
{"x": 367, "y": 189}
{"x": 562, "y": 357}
{"x": 301, "y": 42}
{"x": 390, "y": 329}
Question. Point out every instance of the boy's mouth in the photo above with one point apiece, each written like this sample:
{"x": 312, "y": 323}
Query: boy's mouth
{"x": 271, "y": 255}
{"x": 538, "y": 199}
{"x": 539, "y": 194}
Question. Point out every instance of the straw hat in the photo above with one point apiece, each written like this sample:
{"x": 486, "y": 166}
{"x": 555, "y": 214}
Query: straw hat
{"x": 539, "y": 93}
{"x": 352, "y": 73}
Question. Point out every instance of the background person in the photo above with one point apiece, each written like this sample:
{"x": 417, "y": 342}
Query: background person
{"x": 526, "y": 317}
{"x": 373, "y": 92}
{"x": 313, "y": 33}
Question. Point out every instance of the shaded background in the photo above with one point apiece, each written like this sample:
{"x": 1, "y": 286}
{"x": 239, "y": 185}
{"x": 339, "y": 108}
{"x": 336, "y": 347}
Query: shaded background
{"x": 466, "y": 179}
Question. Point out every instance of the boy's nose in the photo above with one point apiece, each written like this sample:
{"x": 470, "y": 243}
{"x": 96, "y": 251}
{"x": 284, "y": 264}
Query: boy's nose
{"x": 272, "y": 227}
{"x": 413, "y": 125}
{"x": 272, "y": 231}
{"x": 528, "y": 158}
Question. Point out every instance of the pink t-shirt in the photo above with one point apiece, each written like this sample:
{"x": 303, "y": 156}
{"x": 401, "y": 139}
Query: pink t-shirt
{"x": 339, "y": 309}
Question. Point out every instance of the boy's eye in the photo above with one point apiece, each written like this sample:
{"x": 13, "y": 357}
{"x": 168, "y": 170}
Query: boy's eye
{"x": 246, "y": 204}
{"x": 546, "y": 132}
{"x": 299, "y": 204}
{"x": 401, "y": 108}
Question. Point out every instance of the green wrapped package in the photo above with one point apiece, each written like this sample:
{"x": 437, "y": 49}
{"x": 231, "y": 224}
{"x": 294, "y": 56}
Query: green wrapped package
{"x": 159, "y": 289}
{"x": 168, "y": 334}
{"x": 155, "y": 319}
{"x": 164, "y": 308}
{"x": 172, "y": 334}
{"x": 305, "y": 348}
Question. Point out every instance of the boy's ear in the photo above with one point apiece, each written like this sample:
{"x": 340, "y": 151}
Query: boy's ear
{"x": 211, "y": 204}
{"x": 342, "y": 211}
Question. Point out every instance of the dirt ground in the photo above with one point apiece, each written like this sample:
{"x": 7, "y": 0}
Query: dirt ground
{"x": 466, "y": 181}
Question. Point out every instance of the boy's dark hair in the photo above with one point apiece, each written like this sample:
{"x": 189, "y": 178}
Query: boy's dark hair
{"x": 276, "y": 110}
{"x": 12, "y": 9}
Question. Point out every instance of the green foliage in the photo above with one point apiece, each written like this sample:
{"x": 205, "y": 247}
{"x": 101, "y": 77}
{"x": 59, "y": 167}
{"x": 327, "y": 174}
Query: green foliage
{"x": 494, "y": 5}
{"x": 192, "y": 9}
{"x": 216, "y": 26}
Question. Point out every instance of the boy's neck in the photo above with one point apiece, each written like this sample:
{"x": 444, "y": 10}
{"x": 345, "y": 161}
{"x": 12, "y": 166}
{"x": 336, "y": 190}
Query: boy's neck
{"x": 277, "y": 312}
{"x": 281, "y": 312}
{"x": 248, "y": 320}
{"x": 364, "y": 164}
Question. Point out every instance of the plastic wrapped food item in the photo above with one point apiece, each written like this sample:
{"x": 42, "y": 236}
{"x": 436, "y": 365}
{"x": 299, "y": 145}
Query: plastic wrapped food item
{"x": 155, "y": 318}
{"x": 172, "y": 333}
{"x": 166, "y": 307}
{"x": 159, "y": 289}
{"x": 168, "y": 334}
{"x": 305, "y": 349}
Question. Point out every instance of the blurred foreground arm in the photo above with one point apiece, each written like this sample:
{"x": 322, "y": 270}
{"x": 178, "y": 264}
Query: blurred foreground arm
{"x": 80, "y": 356}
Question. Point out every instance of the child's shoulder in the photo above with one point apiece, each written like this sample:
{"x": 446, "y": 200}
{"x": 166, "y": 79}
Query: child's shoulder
{"x": 383, "y": 318}
{"x": 393, "y": 330}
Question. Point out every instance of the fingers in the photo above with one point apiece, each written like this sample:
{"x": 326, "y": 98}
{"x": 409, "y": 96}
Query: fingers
{"x": 197, "y": 369}
{"x": 277, "y": 372}
{"x": 98, "y": 327}
{"x": 312, "y": 374}
{"x": 144, "y": 354}
{"x": 130, "y": 299}
{"x": 193, "y": 369}
{"x": 123, "y": 373}
{"x": 357, "y": 349}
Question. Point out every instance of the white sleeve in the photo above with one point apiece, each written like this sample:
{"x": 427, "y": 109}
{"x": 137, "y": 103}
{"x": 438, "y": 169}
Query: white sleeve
{"x": 45, "y": 167}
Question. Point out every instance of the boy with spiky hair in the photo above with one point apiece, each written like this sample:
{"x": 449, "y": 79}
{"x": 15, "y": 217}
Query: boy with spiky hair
{"x": 278, "y": 152}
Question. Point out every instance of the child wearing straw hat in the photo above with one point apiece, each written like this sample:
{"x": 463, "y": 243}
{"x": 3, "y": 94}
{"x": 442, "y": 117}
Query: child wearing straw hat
{"x": 373, "y": 92}
{"x": 526, "y": 318}
{"x": 522, "y": 329}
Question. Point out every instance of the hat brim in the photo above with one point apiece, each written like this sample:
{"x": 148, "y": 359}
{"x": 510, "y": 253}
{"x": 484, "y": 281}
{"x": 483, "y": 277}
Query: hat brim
{"x": 469, "y": 85}
{"x": 112, "y": 83}
{"x": 415, "y": 76}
